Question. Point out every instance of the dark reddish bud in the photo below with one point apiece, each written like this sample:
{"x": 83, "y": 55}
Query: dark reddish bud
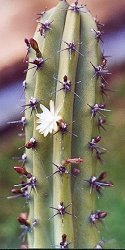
{"x": 38, "y": 62}
{"x": 30, "y": 144}
{"x": 101, "y": 214}
{"x": 64, "y": 244}
{"x": 22, "y": 171}
{"x": 23, "y": 192}
{"x": 23, "y": 219}
{"x": 27, "y": 42}
{"x": 26, "y": 226}
{"x": 65, "y": 78}
{"x": 64, "y": 236}
{"x": 34, "y": 44}
{"x": 16, "y": 191}
{"x": 28, "y": 47}
{"x": 75, "y": 171}
{"x": 97, "y": 138}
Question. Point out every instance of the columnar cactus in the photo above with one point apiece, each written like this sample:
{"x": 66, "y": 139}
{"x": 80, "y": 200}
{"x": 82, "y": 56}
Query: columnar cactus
{"x": 65, "y": 91}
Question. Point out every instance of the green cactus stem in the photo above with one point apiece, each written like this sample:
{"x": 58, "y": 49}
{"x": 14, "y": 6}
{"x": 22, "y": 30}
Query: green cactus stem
{"x": 29, "y": 92}
{"x": 62, "y": 56}
{"x": 86, "y": 235}
{"x": 42, "y": 157}
{"x": 62, "y": 143}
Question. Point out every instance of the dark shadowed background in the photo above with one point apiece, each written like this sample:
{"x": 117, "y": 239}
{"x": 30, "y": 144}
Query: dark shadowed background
{"x": 18, "y": 20}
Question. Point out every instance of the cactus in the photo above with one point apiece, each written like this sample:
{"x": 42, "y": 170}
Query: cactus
{"x": 67, "y": 81}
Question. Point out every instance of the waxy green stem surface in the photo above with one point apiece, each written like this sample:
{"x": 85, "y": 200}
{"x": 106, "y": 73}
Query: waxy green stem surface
{"x": 42, "y": 156}
{"x": 86, "y": 235}
{"x": 62, "y": 143}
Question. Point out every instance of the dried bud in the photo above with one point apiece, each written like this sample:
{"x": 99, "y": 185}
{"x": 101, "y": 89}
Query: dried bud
{"x": 31, "y": 144}
{"x": 22, "y": 171}
{"x": 34, "y": 44}
{"x": 16, "y": 191}
{"x": 75, "y": 171}
{"x": 97, "y": 139}
{"x": 74, "y": 161}
{"x": 27, "y": 42}
{"x": 23, "y": 219}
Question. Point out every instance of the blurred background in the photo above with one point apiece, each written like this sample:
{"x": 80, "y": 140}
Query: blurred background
{"x": 18, "y": 21}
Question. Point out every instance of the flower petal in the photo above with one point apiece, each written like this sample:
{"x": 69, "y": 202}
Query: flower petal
{"x": 48, "y": 119}
{"x": 44, "y": 109}
{"x": 52, "y": 107}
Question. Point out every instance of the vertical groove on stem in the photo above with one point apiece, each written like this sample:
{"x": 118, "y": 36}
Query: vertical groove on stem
{"x": 42, "y": 156}
{"x": 85, "y": 235}
{"x": 62, "y": 142}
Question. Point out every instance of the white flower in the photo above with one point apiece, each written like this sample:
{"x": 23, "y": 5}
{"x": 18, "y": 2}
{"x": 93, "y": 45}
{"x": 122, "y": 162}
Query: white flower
{"x": 48, "y": 119}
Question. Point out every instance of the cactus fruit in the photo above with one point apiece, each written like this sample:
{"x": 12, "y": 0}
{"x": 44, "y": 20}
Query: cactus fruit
{"x": 65, "y": 92}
